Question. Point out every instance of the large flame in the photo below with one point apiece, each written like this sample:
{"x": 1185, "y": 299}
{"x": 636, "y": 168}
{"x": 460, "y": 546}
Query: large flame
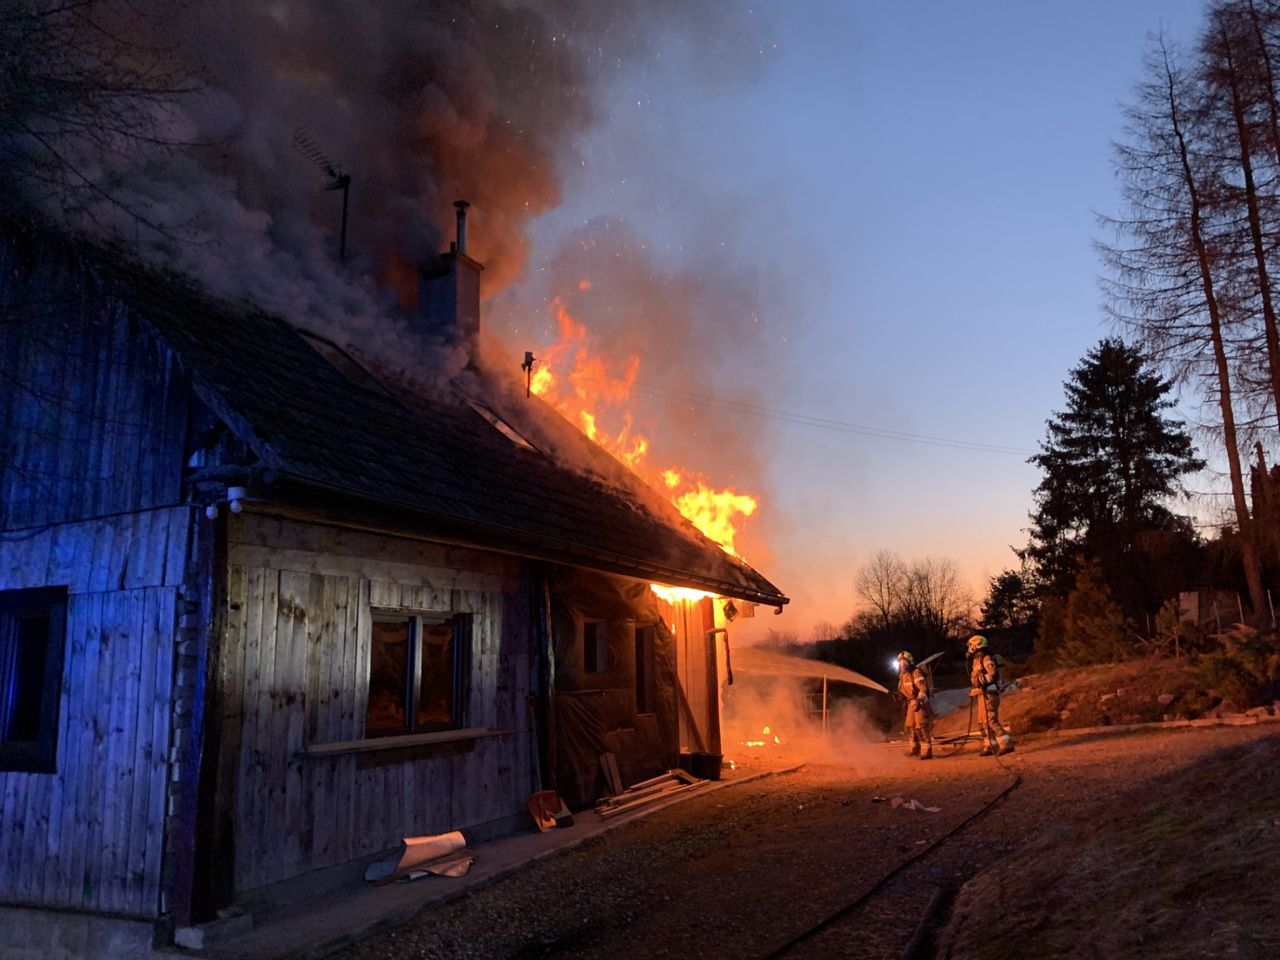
{"x": 595, "y": 392}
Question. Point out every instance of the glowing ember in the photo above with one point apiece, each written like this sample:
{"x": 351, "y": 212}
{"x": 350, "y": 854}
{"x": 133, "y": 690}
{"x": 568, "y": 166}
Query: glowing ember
{"x": 596, "y": 391}
{"x": 769, "y": 737}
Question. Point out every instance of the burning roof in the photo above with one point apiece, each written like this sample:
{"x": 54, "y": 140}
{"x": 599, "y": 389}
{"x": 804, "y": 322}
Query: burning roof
{"x": 434, "y": 461}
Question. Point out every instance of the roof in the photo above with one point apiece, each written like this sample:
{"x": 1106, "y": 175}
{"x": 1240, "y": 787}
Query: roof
{"x": 430, "y": 459}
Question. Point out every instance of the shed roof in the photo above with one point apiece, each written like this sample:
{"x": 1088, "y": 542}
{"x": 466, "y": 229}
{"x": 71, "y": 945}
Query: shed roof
{"x": 430, "y": 459}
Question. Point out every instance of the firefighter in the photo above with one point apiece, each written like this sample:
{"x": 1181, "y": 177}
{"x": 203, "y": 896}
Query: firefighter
{"x": 984, "y": 687}
{"x": 913, "y": 687}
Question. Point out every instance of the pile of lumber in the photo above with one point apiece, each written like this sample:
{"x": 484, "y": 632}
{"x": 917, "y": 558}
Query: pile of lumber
{"x": 642, "y": 794}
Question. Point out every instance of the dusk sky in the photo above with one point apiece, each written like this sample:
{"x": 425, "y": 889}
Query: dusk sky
{"x": 916, "y": 189}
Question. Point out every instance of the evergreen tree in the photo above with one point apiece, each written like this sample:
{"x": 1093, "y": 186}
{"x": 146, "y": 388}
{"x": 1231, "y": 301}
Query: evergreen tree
{"x": 1110, "y": 461}
{"x": 1009, "y": 604}
{"x": 1095, "y": 629}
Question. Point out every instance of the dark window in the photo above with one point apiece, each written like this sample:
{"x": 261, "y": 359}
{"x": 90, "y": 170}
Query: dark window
{"x": 646, "y": 689}
{"x": 32, "y": 638}
{"x": 415, "y": 675}
{"x": 595, "y": 646}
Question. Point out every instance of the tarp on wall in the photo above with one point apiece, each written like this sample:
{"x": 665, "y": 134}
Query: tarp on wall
{"x": 597, "y": 710}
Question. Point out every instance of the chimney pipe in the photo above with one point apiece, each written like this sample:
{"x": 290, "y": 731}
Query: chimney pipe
{"x": 461, "y": 207}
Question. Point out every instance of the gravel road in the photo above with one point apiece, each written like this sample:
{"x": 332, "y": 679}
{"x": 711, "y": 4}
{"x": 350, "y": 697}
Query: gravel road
{"x": 740, "y": 872}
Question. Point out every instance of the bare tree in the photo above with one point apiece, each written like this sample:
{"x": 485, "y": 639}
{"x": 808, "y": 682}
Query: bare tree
{"x": 881, "y": 583}
{"x": 824, "y": 631}
{"x": 936, "y": 599}
{"x": 80, "y": 95}
{"x": 1241, "y": 115}
{"x": 1169, "y": 266}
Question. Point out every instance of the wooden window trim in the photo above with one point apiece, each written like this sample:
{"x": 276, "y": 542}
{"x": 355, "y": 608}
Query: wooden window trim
{"x": 463, "y": 624}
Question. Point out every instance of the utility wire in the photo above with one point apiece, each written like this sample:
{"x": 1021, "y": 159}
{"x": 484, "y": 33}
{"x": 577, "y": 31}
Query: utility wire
{"x": 783, "y": 416}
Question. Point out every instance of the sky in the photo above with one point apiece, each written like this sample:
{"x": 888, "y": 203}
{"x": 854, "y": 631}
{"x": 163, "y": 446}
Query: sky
{"x": 915, "y": 188}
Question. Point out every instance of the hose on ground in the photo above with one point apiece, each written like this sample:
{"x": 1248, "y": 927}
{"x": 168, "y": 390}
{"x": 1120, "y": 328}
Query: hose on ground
{"x": 879, "y": 884}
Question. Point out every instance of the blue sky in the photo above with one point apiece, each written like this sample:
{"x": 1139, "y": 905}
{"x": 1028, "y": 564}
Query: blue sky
{"x": 917, "y": 186}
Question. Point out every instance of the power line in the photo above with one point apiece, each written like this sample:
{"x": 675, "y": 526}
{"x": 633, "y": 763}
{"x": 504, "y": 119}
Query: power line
{"x": 801, "y": 419}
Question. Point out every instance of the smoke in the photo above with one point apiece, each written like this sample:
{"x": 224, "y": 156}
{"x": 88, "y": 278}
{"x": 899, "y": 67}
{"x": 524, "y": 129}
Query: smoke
{"x": 420, "y": 103}
{"x": 791, "y": 710}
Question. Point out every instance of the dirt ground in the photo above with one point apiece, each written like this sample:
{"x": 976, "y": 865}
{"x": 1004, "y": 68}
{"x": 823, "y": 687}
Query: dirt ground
{"x": 744, "y": 871}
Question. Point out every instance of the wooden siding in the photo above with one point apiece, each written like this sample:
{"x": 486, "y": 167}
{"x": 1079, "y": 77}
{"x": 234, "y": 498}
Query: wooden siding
{"x": 295, "y": 672}
{"x": 91, "y": 835}
{"x": 93, "y": 410}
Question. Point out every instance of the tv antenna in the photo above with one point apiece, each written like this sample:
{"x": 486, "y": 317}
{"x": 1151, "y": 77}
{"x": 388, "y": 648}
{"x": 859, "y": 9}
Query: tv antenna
{"x": 338, "y": 180}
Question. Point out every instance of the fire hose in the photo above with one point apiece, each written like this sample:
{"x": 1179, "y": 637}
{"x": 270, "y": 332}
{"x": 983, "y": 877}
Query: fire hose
{"x": 866, "y": 895}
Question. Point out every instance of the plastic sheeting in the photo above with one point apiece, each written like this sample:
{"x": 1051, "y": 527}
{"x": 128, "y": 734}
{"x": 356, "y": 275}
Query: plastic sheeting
{"x": 596, "y": 711}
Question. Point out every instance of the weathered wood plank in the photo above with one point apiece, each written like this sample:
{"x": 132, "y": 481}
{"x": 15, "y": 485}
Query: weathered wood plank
{"x": 116, "y": 796}
{"x": 157, "y": 761}
{"x": 94, "y": 810}
{"x": 24, "y": 562}
{"x": 232, "y": 682}
{"x": 347, "y": 679}
{"x": 331, "y": 540}
{"x": 62, "y": 797}
{"x": 150, "y": 652}
{"x": 292, "y": 685}
{"x": 250, "y": 774}
{"x": 371, "y": 568}
{"x": 178, "y": 544}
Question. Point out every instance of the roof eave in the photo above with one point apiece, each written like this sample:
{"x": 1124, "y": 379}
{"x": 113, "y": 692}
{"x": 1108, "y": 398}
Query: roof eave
{"x": 312, "y": 496}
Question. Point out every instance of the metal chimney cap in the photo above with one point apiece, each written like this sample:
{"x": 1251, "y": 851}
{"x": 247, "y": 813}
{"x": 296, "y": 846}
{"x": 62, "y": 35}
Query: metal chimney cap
{"x": 461, "y": 205}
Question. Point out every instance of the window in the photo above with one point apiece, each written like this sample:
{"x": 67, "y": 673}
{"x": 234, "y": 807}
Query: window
{"x": 595, "y": 646}
{"x": 33, "y": 627}
{"x": 415, "y": 675}
{"x": 501, "y": 425}
{"x": 646, "y": 686}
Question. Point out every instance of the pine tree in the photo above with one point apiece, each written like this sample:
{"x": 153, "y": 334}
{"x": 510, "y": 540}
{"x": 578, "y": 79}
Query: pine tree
{"x": 1096, "y": 630}
{"x": 1111, "y": 459}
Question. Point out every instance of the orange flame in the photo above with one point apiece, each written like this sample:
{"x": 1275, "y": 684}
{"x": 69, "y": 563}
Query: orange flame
{"x": 596, "y": 391}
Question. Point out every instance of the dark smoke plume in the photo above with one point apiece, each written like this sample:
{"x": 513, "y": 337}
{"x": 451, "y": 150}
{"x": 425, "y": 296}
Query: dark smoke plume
{"x": 243, "y": 105}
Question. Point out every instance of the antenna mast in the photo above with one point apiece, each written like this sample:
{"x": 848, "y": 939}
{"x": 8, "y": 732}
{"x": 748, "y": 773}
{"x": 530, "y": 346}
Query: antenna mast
{"x": 338, "y": 180}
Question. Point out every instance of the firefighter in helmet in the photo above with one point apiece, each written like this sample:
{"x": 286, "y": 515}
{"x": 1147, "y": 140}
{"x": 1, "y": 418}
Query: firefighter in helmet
{"x": 913, "y": 687}
{"x": 984, "y": 687}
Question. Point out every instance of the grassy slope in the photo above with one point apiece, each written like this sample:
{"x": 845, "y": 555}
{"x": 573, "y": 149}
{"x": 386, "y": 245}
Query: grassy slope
{"x": 1185, "y": 868}
{"x": 1068, "y": 699}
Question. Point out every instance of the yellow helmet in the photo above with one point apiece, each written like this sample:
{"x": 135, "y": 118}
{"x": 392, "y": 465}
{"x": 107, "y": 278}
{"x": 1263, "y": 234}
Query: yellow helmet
{"x": 906, "y": 655}
{"x": 977, "y": 642}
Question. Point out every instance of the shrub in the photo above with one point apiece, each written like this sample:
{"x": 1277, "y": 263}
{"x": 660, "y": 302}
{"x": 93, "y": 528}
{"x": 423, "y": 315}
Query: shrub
{"x": 1096, "y": 630}
{"x": 1246, "y": 667}
{"x": 1174, "y": 636}
{"x": 1053, "y": 621}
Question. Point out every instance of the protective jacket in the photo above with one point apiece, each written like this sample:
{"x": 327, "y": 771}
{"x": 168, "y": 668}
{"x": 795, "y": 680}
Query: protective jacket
{"x": 984, "y": 673}
{"x": 984, "y": 678}
{"x": 913, "y": 685}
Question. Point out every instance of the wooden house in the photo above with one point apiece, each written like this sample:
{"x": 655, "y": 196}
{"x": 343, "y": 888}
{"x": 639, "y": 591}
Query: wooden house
{"x": 263, "y": 613}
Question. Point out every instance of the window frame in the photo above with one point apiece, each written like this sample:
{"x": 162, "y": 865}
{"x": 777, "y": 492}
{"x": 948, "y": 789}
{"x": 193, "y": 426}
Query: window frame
{"x": 411, "y": 693}
{"x": 40, "y": 755}
{"x": 599, "y": 661}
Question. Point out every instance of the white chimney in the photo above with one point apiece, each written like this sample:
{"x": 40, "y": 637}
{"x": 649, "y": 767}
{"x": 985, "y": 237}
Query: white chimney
{"x": 449, "y": 288}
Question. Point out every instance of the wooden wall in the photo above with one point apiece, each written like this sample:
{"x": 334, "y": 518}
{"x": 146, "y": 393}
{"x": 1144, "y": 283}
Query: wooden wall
{"x": 93, "y": 410}
{"x": 295, "y": 672}
{"x": 91, "y": 835}
{"x": 699, "y": 712}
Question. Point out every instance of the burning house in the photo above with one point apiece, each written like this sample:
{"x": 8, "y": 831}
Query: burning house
{"x": 264, "y": 612}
